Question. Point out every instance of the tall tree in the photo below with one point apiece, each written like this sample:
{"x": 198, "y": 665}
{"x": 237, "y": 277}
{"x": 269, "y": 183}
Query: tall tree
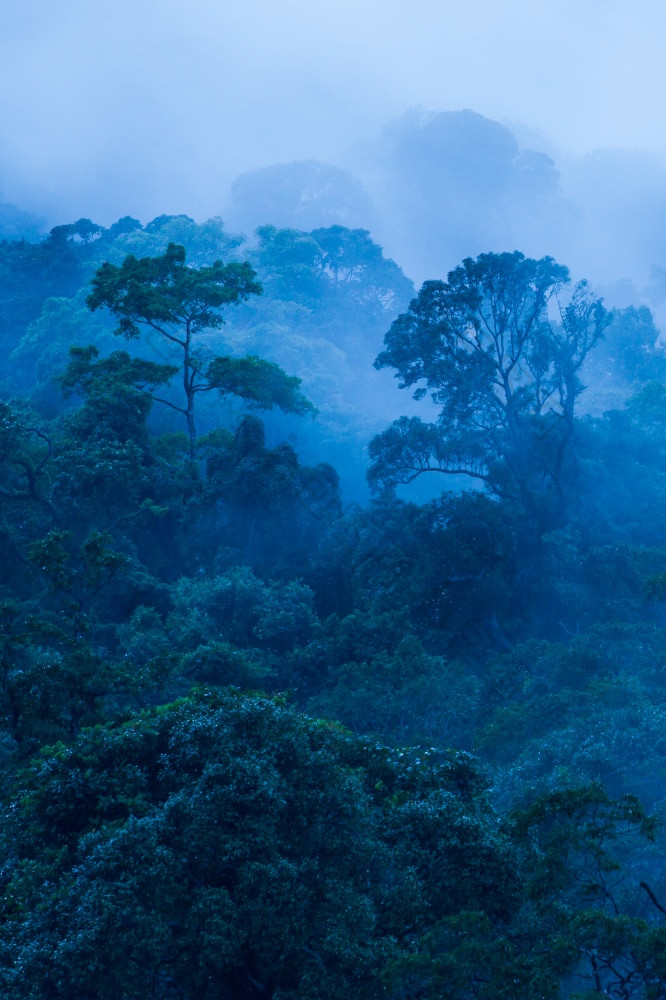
{"x": 178, "y": 302}
{"x": 505, "y": 375}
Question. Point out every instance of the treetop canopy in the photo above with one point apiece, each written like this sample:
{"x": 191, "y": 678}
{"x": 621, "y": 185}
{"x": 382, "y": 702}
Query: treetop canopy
{"x": 156, "y": 290}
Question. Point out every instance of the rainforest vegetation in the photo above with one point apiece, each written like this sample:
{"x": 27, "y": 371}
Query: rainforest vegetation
{"x": 268, "y": 732}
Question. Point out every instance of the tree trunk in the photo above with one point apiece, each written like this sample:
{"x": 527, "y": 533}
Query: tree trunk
{"x": 188, "y": 386}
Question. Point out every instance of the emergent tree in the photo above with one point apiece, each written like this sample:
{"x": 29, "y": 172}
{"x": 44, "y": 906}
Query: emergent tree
{"x": 504, "y": 371}
{"x": 178, "y": 302}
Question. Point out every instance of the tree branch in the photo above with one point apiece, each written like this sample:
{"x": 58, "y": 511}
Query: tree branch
{"x": 158, "y": 399}
{"x": 653, "y": 898}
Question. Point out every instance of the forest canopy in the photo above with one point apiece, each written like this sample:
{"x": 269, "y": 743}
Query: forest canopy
{"x": 262, "y": 739}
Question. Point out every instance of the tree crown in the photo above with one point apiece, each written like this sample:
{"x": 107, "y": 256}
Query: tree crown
{"x": 157, "y": 290}
{"x": 503, "y": 370}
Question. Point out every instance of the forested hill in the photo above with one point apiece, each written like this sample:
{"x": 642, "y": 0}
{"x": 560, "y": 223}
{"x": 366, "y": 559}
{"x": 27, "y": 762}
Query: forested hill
{"x": 259, "y": 741}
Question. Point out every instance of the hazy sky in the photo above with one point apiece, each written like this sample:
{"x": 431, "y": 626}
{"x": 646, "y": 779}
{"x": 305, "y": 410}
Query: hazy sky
{"x": 148, "y": 106}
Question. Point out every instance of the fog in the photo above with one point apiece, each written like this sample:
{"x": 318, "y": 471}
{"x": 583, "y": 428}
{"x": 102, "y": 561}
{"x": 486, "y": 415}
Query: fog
{"x": 300, "y": 656}
{"x": 157, "y": 107}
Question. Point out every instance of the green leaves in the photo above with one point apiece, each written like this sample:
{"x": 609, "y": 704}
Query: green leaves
{"x": 155, "y": 290}
{"x": 163, "y": 294}
{"x": 226, "y": 836}
{"x": 86, "y": 374}
{"x": 410, "y": 447}
{"x": 224, "y": 846}
{"x": 504, "y": 376}
{"x": 260, "y": 383}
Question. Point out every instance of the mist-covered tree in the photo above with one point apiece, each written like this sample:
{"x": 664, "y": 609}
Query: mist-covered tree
{"x": 342, "y": 267}
{"x": 505, "y": 375}
{"x": 630, "y": 355}
{"x": 178, "y": 302}
{"x": 82, "y": 231}
{"x": 204, "y": 242}
{"x": 302, "y": 194}
{"x": 17, "y": 224}
{"x": 31, "y": 273}
{"x": 453, "y": 184}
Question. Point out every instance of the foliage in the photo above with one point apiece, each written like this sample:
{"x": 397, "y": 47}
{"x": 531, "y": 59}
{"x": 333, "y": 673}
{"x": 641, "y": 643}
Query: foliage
{"x": 505, "y": 377}
{"x": 249, "y": 850}
{"x": 161, "y": 839}
{"x": 178, "y": 302}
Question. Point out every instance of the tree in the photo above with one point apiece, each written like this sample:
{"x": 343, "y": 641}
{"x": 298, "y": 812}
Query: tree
{"x": 117, "y": 392}
{"x": 454, "y": 183}
{"x": 226, "y": 847}
{"x": 178, "y": 302}
{"x": 340, "y": 268}
{"x": 25, "y": 451}
{"x": 505, "y": 375}
{"x": 303, "y": 194}
{"x": 56, "y": 672}
{"x": 83, "y": 231}
{"x": 577, "y": 841}
{"x": 275, "y": 510}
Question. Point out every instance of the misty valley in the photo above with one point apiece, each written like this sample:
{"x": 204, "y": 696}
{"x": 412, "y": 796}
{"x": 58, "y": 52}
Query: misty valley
{"x": 332, "y": 606}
